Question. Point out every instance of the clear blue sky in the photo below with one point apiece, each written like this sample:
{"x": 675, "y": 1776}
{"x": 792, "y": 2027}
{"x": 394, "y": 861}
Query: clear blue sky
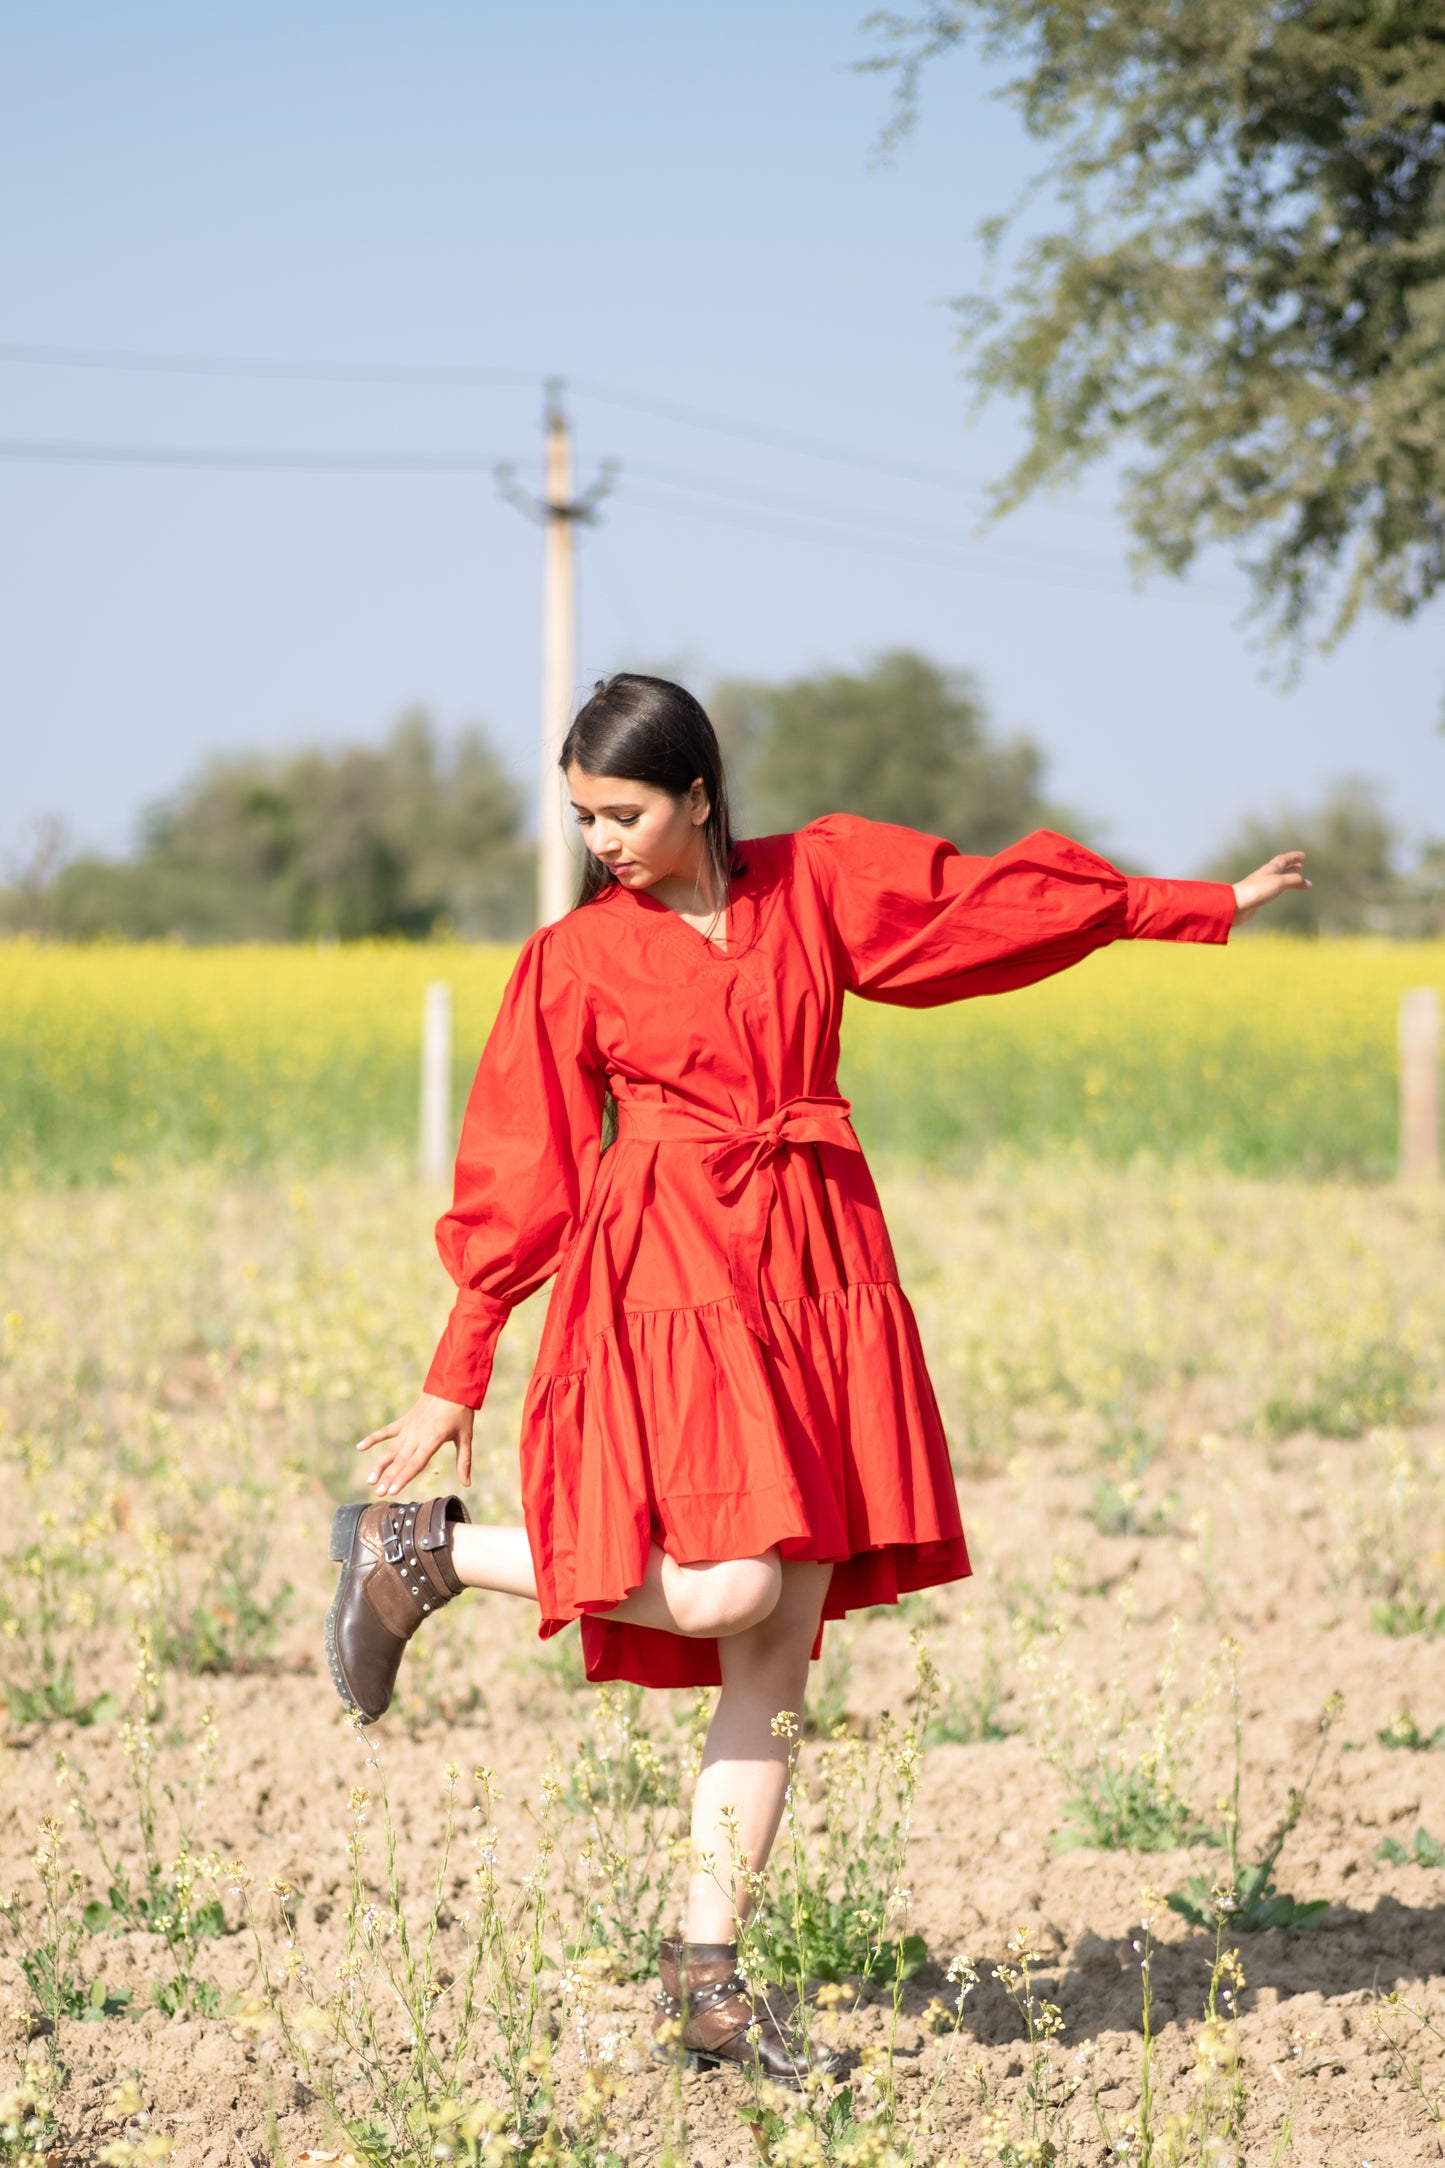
{"x": 678, "y": 203}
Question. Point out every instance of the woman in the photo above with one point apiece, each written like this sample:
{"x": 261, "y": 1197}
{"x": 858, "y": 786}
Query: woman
{"x": 730, "y": 1434}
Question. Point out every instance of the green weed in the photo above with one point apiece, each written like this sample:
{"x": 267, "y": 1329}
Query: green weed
{"x": 230, "y": 1627}
{"x": 1403, "y": 1732}
{"x": 1385, "y": 2019}
{"x": 1127, "y": 1779}
{"x": 830, "y": 1904}
{"x": 168, "y": 1898}
{"x": 1028, "y": 2126}
{"x": 51, "y": 1590}
{"x": 496, "y": 1985}
{"x": 1395, "y": 1542}
{"x": 1244, "y": 1900}
{"x": 1371, "y": 1390}
{"x": 969, "y": 1712}
{"x": 28, "y": 2126}
{"x": 1425, "y": 1851}
{"x": 626, "y": 1792}
{"x": 827, "y": 1707}
{"x": 50, "y": 1941}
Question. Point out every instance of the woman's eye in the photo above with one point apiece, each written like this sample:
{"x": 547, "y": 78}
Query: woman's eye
{"x": 628, "y": 820}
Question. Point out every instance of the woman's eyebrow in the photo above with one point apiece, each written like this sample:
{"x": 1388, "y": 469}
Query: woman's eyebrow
{"x": 624, "y": 805}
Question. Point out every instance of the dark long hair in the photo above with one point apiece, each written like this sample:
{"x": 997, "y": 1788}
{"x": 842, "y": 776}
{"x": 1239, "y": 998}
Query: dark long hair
{"x": 648, "y": 730}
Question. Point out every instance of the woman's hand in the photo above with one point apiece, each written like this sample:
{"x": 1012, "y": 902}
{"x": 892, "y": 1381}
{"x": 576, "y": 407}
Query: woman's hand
{"x": 1251, "y": 895}
{"x": 426, "y": 1427}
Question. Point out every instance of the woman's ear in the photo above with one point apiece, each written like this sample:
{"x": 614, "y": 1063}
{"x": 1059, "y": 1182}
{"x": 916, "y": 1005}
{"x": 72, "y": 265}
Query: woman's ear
{"x": 697, "y": 801}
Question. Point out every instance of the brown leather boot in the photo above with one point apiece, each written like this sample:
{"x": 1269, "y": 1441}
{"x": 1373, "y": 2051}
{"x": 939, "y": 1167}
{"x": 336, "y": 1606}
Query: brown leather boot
{"x": 396, "y": 1569}
{"x": 721, "y": 2021}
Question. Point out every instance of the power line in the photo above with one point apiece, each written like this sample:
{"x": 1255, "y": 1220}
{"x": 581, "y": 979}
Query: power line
{"x": 904, "y": 525}
{"x": 718, "y": 501}
{"x": 88, "y": 453}
{"x": 274, "y": 369}
{"x": 979, "y": 557}
{"x": 303, "y": 372}
{"x": 158, "y": 455}
{"x": 783, "y": 440}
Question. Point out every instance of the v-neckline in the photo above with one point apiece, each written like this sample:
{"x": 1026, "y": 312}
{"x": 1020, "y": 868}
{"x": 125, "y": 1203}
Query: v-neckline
{"x": 687, "y": 938}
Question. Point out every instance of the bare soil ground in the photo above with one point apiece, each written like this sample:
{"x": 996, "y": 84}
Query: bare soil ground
{"x": 1137, "y": 1371}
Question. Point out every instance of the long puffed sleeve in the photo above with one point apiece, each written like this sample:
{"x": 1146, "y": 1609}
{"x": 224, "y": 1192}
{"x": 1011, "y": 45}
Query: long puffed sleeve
{"x": 920, "y": 924}
{"x": 531, "y": 1137}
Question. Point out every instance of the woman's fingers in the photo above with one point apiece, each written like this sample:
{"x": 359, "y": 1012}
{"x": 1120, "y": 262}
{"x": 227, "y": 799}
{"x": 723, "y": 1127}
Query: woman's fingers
{"x": 402, "y": 1465}
{"x": 1284, "y": 871}
{"x": 413, "y": 1439}
{"x": 375, "y": 1437}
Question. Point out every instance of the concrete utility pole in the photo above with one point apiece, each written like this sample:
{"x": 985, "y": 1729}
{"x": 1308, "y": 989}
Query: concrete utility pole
{"x": 559, "y": 512}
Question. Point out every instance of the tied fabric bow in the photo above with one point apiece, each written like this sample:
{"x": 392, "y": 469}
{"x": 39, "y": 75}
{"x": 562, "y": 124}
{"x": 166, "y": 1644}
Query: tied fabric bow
{"x": 743, "y": 1172}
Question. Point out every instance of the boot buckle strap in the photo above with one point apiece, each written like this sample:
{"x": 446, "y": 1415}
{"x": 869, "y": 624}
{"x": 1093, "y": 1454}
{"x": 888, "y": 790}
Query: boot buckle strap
{"x": 392, "y": 1551}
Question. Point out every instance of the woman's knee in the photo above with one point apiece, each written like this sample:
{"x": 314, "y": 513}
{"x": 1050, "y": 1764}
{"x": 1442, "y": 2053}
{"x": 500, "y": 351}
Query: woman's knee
{"x": 725, "y": 1598}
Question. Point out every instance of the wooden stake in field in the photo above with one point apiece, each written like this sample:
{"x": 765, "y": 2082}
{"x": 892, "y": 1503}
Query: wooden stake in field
{"x": 560, "y": 512}
{"x": 1420, "y": 1085}
{"x": 437, "y": 1145}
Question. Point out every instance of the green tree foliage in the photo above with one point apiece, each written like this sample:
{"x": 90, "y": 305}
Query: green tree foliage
{"x": 1247, "y": 281}
{"x": 1354, "y": 861}
{"x": 903, "y": 741}
{"x": 360, "y": 841}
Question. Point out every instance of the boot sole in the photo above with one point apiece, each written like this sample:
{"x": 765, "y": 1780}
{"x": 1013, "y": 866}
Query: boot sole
{"x": 343, "y": 1539}
{"x": 701, "y": 2059}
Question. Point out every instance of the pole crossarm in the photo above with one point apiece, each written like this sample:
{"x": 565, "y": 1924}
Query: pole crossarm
{"x": 581, "y": 511}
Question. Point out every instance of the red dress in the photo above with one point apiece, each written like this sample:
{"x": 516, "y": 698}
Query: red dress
{"x": 728, "y": 1361}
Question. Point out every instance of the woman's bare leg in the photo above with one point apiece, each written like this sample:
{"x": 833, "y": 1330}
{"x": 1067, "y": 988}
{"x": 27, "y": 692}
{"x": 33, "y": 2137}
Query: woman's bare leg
{"x": 764, "y": 1615}
{"x": 725, "y": 1596}
{"x": 744, "y": 1773}
{"x": 499, "y": 1559}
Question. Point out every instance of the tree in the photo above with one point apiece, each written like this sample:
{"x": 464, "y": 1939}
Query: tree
{"x": 903, "y": 741}
{"x": 361, "y": 841}
{"x": 1247, "y": 286}
{"x": 1351, "y": 851}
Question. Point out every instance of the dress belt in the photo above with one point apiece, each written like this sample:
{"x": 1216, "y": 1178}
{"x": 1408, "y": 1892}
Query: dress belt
{"x": 742, "y": 1167}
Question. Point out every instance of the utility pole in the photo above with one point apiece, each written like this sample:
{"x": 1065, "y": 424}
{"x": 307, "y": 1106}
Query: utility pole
{"x": 559, "y": 512}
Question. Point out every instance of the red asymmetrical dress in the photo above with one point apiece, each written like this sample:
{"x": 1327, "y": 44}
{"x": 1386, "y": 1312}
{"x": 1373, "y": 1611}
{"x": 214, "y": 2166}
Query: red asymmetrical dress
{"x": 728, "y": 1361}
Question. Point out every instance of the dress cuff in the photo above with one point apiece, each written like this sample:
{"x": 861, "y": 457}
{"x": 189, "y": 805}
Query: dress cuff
{"x": 1178, "y": 910}
{"x": 462, "y": 1365}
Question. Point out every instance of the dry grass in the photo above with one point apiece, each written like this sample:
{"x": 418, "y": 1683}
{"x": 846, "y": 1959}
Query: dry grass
{"x": 1218, "y": 1400}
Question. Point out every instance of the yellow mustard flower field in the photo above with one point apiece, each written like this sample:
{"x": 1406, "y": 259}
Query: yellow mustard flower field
{"x": 1272, "y": 1056}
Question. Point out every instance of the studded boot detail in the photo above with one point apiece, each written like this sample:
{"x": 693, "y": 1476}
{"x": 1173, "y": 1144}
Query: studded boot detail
{"x": 707, "y": 2014}
{"x": 396, "y": 1570}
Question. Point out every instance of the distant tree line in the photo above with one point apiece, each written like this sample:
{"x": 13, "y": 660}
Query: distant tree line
{"x": 903, "y": 741}
{"x": 400, "y": 839}
{"x": 414, "y": 837}
{"x": 1362, "y": 878}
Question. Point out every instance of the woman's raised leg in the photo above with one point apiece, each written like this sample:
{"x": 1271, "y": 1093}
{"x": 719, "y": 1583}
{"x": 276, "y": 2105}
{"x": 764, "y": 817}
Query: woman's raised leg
{"x": 717, "y": 1597}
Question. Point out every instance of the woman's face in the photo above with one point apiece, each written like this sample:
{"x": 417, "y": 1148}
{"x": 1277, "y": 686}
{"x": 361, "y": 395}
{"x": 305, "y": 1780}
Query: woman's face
{"x": 642, "y": 834}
